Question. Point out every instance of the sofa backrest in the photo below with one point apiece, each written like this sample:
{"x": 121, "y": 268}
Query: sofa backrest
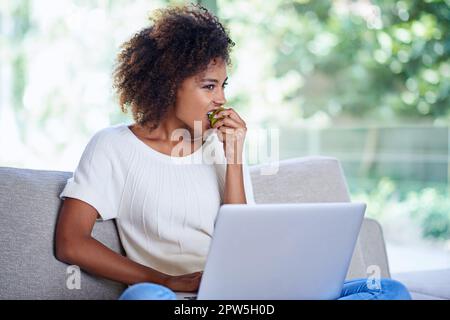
{"x": 321, "y": 179}
{"x": 300, "y": 180}
{"x": 29, "y": 206}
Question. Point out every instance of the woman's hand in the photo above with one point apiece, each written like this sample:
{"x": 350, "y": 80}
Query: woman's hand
{"x": 184, "y": 283}
{"x": 231, "y": 130}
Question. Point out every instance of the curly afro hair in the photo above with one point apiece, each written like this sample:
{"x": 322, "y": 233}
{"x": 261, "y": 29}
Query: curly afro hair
{"x": 151, "y": 66}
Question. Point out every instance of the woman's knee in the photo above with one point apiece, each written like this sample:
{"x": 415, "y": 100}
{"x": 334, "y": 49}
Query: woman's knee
{"x": 147, "y": 291}
{"x": 394, "y": 290}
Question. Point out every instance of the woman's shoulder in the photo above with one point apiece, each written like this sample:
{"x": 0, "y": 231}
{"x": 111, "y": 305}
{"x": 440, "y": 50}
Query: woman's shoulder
{"x": 109, "y": 138}
{"x": 111, "y": 132}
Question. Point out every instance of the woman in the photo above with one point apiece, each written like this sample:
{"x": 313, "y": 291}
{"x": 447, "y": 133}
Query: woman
{"x": 164, "y": 177}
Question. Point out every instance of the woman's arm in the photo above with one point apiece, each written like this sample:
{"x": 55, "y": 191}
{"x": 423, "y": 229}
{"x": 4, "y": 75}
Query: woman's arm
{"x": 75, "y": 245}
{"x": 231, "y": 132}
{"x": 234, "y": 185}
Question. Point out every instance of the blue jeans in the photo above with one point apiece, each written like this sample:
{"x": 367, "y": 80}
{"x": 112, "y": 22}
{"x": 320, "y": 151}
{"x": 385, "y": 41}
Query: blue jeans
{"x": 356, "y": 289}
{"x": 385, "y": 289}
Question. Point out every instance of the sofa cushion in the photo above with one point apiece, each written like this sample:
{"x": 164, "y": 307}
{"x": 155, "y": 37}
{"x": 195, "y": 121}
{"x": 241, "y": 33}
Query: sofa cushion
{"x": 435, "y": 283}
{"x": 29, "y": 206}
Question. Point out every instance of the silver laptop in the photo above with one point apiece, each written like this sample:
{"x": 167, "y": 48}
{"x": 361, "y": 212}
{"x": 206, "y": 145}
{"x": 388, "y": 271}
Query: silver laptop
{"x": 280, "y": 251}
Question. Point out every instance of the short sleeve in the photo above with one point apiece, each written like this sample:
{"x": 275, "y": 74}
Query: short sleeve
{"x": 96, "y": 180}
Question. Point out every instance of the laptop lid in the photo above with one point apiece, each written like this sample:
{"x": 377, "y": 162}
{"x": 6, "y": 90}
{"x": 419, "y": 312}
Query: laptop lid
{"x": 281, "y": 251}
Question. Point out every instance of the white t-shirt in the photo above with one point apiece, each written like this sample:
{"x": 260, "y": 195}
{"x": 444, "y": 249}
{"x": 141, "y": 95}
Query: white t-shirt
{"x": 165, "y": 207}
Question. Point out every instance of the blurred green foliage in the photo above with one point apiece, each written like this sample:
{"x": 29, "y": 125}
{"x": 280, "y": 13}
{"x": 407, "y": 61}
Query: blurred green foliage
{"x": 389, "y": 201}
{"x": 379, "y": 60}
{"x": 400, "y": 62}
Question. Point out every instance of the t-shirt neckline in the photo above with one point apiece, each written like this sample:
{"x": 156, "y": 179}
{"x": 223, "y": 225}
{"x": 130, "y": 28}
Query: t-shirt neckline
{"x": 160, "y": 155}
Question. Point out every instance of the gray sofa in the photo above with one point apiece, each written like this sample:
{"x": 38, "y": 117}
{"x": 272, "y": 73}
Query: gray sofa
{"x": 29, "y": 206}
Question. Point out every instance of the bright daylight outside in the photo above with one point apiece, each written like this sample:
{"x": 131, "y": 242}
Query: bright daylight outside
{"x": 366, "y": 82}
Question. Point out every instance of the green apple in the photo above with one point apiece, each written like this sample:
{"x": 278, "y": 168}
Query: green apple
{"x": 211, "y": 114}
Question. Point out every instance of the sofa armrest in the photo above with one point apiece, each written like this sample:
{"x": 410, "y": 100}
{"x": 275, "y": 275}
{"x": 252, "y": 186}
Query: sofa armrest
{"x": 370, "y": 253}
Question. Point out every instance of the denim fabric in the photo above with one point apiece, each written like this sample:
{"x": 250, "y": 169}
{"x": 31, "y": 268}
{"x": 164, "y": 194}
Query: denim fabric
{"x": 147, "y": 291}
{"x": 364, "y": 289}
{"x": 357, "y": 289}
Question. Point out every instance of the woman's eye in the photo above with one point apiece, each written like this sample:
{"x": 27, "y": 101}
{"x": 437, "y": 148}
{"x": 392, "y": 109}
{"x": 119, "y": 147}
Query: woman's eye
{"x": 211, "y": 86}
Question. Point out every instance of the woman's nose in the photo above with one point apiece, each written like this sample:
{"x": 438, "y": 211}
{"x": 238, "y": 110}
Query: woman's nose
{"x": 220, "y": 99}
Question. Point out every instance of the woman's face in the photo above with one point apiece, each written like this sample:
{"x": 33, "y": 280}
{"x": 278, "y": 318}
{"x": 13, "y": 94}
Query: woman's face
{"x": 201, "y": 93}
